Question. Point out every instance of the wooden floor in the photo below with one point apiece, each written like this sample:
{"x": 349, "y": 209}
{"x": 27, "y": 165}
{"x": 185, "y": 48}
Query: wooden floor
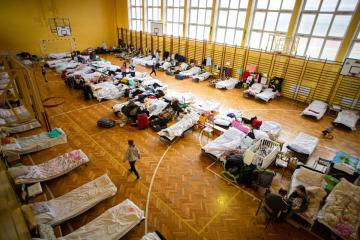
{"x": 189, "y": 199}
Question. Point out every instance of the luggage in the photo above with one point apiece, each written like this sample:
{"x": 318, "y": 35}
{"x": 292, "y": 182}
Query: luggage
{"x": 105, "y": 123}
{"x": 142, "y": 121}
{"x": 179, "y": 77}
{"x": 88, "y": 94}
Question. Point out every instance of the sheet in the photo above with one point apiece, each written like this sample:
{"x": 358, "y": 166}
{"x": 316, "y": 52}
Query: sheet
{"x": 228, "y": 84}
{"x": 229, "y": 140}
{"x": 201, "y": 76}
{"x": 316, "y": 109}
{"x": 271, "y": 128}
{"x": 48, "y": 170}
{"x": 177, "y": 129}
{"x": 205, "y": 106}
{"x": 33, "y": 143}
{"x": 106, "y": 90}
{"x": 348, "y": 118}
{"x": 165, "y": 66}
{"x": 342, "y": 207}
{"x": 23, "y": 127}
{"x": 304, "y": 143}
{"x": 267, "y": 94}
{"x": 191, "y": 71}
{"x": 59, "y": 55}
{"x": 255, "y": 89}
{"x": 113, "y": 224}
{"x": 53, "y": 63}
{"x": 155, "y": 106}
{"x": 151, "y": 236}
{"x": 9, "y": 116}
{"x": 313, "y": 182}
{"x": 77, "y": 201}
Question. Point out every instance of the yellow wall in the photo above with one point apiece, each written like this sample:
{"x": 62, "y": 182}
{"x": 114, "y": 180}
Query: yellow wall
{"x": 24, "y": 23}
{"x": 122, "y": 18}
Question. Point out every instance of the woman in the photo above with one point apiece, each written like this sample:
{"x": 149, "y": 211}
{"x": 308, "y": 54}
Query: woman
{"x": 123, "y": 70}
{"x": 298, "y": 200}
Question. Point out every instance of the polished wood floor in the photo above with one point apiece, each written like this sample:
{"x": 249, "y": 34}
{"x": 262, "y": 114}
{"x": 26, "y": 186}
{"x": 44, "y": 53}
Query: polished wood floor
{"x": 189, "y": 199}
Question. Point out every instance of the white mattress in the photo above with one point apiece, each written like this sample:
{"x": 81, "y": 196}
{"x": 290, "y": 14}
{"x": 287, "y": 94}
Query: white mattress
{"x": 271, "y": 128}
{"x": 255, "y": 89}
{"x": 348, "y": 118}
{"x": 33, "y": 143}
{"x": 304, "y": 143}
{"x": 229, "y": 140}
{"x": 156, "y": 106}
{"x": 266, "y": 95}
{"x": 9, "y": 116}
{"x": 77, "y": 201}
{"x": 180, "y": 127}
{"x": 113, "y": 224}
{"x": 228, "y": 84}
{"x": 53, "y": 63}
{"x": 106, "y": 90}
{"x": 23, "y": 127}
{"x": 58, "y": 55}
{"x": 165, "y": 66}
{"x": 142, "y": 61}
{"x": 49, "y": 170}
{"x": 201, "y": 76}
{"x": 151, "y": 236}
{"x": 190, "y": 72}
{"x": 316, "y": 109}
{"x": 205, "y": 106}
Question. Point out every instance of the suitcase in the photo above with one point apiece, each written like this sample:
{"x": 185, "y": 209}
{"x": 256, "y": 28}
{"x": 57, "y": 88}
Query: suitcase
{"x": 179, "y": 77}
{"x": 105, "y": 123}
{"x": 142, "y": 121}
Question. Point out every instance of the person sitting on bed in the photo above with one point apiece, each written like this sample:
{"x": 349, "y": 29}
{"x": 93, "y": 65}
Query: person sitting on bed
{"x": 277, "y": 203}
{"x": 298, "y": 200}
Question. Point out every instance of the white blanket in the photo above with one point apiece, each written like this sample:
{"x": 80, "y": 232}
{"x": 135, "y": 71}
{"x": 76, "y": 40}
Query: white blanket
{"x": 177, "y": 129}
{"x": 141, "y": 60}
{"x": 77, "y": 201}
{"x": 155, "y": 106}
{"x": 271, "y": 128}
{"x": 255, "y": 89}
{"x": 205, "y": 106}
{"x": 165, "y": 66}
{"x": 266, "y": 95}
{"x": 54, "y": 63}
{"x": 106, "y": 90}
{"x": 201, "y": 76}
{"x": 23, "y": 127}
{"x": 348, "y": 118}
{"x": 191, "y": 71}
{"x": 48, "y": 170}
{"x": 316, "y": 109}
{"x": 113, "y": 224}
{"x": 228, "y": 84}
{"x": 33, "y": 143}
{"x": 151, "y": 236}
{"x": 58, "y": 55}
{"x": 304, "y": 143}
{"x": 229, "y": 140}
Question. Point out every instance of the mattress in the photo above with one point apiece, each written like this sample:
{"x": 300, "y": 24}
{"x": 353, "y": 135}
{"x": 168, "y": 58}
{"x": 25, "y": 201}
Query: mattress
{"x": 255, "y": 89}
{"x": 113, "y": 224}
{"x": 58, "y": 55}
{"x": 348, "y": 118}
{"x": 266, "y": 95}
{"x": 271, "y": 128}
{"x": 142, "y": 61}
{"x": 33, "y": 143}
{"x": 201, "y": 76}
{"x": 23, "y": 127}
{"x": 191, "y": 71}
{"x": 106, "y": 90}
{"x": 9, "y": 116}
{"x": 151, "y": 236}
{"x": 155, "y": 106}
{"x": 77, "y": 201}
{"x": 205, "y": 106}
{"x": 165, "y": 66}
{"x": 316, "y": 109}
{"x": 227, "y": 84}
{"x": 53, "y": 63}
{"x": 48, "y": 170}
{"x": 304, "y": 143}
{"x": 229, "y": 140}
{"x": 177, "y": 129}
{"x": 313, "y": 182}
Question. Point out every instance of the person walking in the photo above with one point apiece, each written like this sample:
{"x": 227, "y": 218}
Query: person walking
{"x": 43, "y": 72}
{"x": 123, "y": 70}
{"x": 132, "y": 155}
{"x": 153, "y": 68}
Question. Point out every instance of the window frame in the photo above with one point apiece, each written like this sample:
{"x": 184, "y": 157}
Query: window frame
{"x": 180, "y": 22}
{"x": 197, "y": 25}
{"x": 148, "y": 20}
{"x": 132, "y": 18}
{"x": 356, "y": 39}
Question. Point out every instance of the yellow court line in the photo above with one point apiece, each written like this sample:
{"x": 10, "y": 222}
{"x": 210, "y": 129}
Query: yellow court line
{"x": 141, "y": 183}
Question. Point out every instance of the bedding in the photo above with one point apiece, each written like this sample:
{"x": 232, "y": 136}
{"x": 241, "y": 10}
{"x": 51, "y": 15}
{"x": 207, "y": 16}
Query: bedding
{"x": 205, "y": 106}
{"x": 202, "y": 76}
{"x": 222, "y": 120}
{"x": 8, "y": 116}
{"x": 151, "y": 236}
{"x": 54, "y": 63}
{"x": 229, "y": 140}
{"x": 141, "y": 60}
{"x": 316, "y": 109}
{"x": 191, "y": 71}
{"x": 58, "y": 55}
{"x": 113, "y": 224}
{"x": 227, "y": 84}
{"x": 254, "y": 90}
{"x": 165, "y": 66}
{"x": 77, "y": 201}
{"x": 266, "y": 95}
{"x": 348, "y": 118}
{"x": 177, "y": 129}
{"x": 23, "y": 127}
{"x": 347, "y": 163}
{"x": 313, "y": 182}
{"x": 304, "y": 143}
{"x": 342, "y": 208}
{"x": 51, "y": 169}
{"x": 155, "y": 106}
{"x": 106, "y": 90}
{"x": 59, "y": 68}
{"x": 271, "y": 128}
{"x": 33, "y": 143}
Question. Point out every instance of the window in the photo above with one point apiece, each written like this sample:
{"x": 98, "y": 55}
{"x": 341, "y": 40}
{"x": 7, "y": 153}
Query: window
{"x": 199, "y": 19}
{"x": 174, "y": 17}
{"x": 270, "y": 17}
{"x": 322, "y": 27}
{"x": 135, "y": 15}
{"x": 355, "y": 47}
{"x": 153, "y": 13}
{"x": 230, "y": 21}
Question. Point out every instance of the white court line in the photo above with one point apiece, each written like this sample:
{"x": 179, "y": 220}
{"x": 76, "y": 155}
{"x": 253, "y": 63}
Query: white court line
{"x": 273, "y": 109}
{"x": 151, "y": 184}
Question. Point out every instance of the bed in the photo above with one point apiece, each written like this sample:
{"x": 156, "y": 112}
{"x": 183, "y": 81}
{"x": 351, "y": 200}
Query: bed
{"x": 141, "y": 60}
{"x": 253, "y": 90}
{"x": 316, "y": 109}
{"x": 51, "y": 169}
{"x": 59, "y": 68}
{"x": 165, "y": 66}
{"x": 229, "y": 140}
{"x": 75, "y": 202}
{"x": 342, "y": 210}
{"x": 227, "y": 84}
{"x": 23, "y": 127}
{"x": 313, "y": 182}
{"x": 190, "y": 72}
{"x": 58, "y": 55}
{"x": 267, "y": 94}
{"x": 34, "y": 143}
{"x": 202, "y": 76}
{"x": 303, "y": 144}
{"x": 113, "y": 224}
{"x": 348, "y": 118}
{"x": 106, "y": 90}
{"x": 178, "y": 129}
{"x": 153, "y": 236}
{"x": 8, "y": 116}
{"x": 205, "y": 106}
{"x": 54, "y": 63}
{"x": 271, "y": 128}
{"x": 155, "y": 106}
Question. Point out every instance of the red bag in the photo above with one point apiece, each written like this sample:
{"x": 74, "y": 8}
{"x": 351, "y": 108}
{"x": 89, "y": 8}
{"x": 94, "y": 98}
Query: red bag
{"x": 142, "y": 121}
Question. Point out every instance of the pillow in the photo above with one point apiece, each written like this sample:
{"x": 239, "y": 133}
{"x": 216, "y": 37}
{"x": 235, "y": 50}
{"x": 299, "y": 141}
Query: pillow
{"x": 46, "y": 232}
{"x": 29, "y": 216}
{"x": 5, "y": 113}
{"x": 18, "y": 171}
